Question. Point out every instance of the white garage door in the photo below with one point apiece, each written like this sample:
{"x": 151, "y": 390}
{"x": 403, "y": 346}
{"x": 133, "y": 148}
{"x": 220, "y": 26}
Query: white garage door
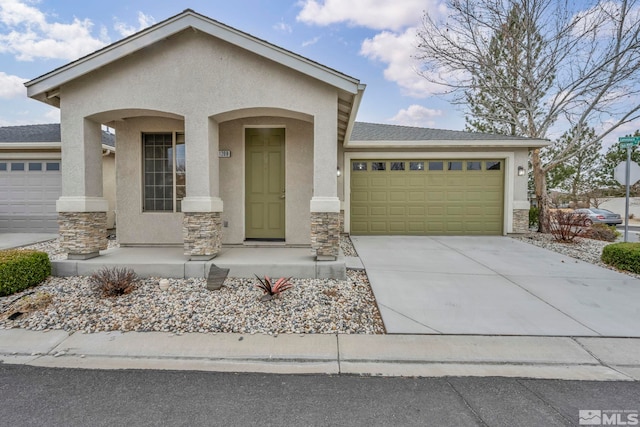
{"x": 28, "y": 193}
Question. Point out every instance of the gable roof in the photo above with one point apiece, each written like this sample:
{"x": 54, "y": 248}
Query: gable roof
{"x": 375, "y": 134}
{"x": 45, "y": 133}
{"x": 173, "y": 25}
{"x": 46, "y": 88}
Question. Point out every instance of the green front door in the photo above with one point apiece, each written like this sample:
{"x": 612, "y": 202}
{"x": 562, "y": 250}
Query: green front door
{"x": 265, "y": 186}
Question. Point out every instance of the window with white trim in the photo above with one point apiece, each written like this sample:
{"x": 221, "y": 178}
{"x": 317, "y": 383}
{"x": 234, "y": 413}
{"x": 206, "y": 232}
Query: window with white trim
{"x": 164, "y": 171}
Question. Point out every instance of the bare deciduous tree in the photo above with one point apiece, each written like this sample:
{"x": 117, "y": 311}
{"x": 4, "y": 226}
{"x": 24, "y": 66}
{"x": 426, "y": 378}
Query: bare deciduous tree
{"x": 574, "y": 68}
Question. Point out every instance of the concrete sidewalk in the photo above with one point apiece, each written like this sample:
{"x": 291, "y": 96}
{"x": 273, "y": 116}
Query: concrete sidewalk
{"x": 388, "y": 355}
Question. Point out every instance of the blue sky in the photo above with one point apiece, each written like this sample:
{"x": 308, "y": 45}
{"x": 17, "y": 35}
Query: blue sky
{"x": 366, "y": 41}
{"x": 372, "y": 40}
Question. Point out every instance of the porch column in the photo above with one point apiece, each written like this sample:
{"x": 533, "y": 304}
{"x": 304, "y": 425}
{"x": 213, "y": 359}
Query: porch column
{"x": 325, "y": 204}
{"x": 82, "y": 211}
{"x": 202, "y": 224}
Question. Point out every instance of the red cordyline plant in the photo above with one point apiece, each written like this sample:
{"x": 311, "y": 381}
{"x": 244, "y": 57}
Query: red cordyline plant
{"x": 272, "y": 289}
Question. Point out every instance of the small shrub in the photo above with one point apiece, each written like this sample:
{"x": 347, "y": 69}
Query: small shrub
{"x": 624, "y": 255}
{"x": 607, "y": 233}
{"x": 566, "y": 226}
{"x": 113, "y": 282}
{"x": 272, "y": 289}
{"x": 534, "y": 213}
{"x": 631, "y": 216}
{"x": 20, "y": 269}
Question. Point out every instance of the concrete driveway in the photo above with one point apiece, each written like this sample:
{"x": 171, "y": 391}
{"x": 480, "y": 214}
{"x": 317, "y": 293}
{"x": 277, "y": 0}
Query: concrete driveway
{"x": 16, "y": 240}
{"x": 494, "y": 286}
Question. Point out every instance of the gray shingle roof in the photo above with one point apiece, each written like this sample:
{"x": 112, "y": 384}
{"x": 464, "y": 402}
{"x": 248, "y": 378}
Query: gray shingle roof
{"x": 42, "y": 133}
{"x": 380, "y": 132}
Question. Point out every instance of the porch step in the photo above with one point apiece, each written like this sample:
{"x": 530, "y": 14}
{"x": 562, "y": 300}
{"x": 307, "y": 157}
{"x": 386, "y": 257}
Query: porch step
{"x": 170, "y": 262}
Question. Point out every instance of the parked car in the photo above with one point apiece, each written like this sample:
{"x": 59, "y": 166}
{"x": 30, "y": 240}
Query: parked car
{"x": 601, "y": 216}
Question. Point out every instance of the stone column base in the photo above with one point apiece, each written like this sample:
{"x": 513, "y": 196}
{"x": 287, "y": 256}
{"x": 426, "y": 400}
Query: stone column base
{"x": 83, "y": 234}
{"x": 325, "y": 235}
{"x": 202, "y": 233}
{"x": 521, "y": 220}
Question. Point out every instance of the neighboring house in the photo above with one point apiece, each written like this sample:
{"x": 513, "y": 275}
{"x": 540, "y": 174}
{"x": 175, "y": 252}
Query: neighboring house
{"x": 224, "y": 138}
{"x": 31, "y": 177}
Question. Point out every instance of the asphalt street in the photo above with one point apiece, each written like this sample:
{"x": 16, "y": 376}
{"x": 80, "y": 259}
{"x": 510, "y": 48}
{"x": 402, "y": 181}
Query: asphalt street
{"x": 33, "y": 396}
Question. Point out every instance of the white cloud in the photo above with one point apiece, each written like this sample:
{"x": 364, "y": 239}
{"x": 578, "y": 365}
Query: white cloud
{"x": 416, "y": 115}
{"x": 283, "y": 27}
{"x": 29, "y": 35}
{"x": 397, "y": 51}
{"x": 126, "y": 30}
{"x": 311, "y": 42}
{"x": 11, "y": 86}
{"x": 375, "y": 14}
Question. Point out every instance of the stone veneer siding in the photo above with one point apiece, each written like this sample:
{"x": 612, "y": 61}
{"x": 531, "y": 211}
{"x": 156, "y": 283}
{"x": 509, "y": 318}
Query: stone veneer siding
{"x": 325, "y": 234}
{"x": 83, "y": 233}
{"x": 520, "y": 220}
{"x": 202, "y": 233}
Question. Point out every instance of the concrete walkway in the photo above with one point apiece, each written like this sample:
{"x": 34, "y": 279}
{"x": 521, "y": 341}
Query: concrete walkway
{"x": 390, "y": 355}
{"x": 16, "y": 240}
{"x": 494, "y": 286}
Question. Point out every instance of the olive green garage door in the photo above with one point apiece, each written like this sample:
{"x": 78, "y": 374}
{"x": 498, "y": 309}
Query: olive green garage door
{"x": 427, "y": 197}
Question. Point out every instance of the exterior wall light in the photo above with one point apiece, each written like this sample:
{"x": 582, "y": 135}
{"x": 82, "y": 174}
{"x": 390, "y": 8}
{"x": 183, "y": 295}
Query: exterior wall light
{"x": 338, "y": 173}
{"x": 520, "y": 171}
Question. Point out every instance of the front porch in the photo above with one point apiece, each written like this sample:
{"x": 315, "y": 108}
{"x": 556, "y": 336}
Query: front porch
{"x": 170, "y": 262}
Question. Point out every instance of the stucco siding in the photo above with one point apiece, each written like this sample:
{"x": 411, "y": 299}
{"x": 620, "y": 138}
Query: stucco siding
{"x": 193, "y": 73}
{"x": 298, "y": 177}
{"x": 136, "y": 227}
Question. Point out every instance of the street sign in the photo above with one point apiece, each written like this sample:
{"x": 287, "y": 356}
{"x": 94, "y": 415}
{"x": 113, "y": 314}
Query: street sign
{"x": 628, "y": 141}
{"x": 620, "y": 171}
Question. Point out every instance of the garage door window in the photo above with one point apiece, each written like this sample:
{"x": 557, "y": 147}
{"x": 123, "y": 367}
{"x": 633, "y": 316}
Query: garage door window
{"x": 397, "y": 166}
{"x": 3, "y": 166}
{"x": 493, "y": 165}
{"x": 53, "y": 166}
{"x": 17, "y": 167}
{"x": 474, "y": 166}
{"x": 416, "y": 166}
{"x": 435, "y": 166}
{"x": 378, "y": 166}
{"x": 455, "y": 166}
{"x": 359, "y": 166}
{"x": 35, "y": 166}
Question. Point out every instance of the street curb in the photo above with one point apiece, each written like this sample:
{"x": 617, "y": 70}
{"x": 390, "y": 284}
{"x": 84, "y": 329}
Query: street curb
{"x": 565, "y": 358}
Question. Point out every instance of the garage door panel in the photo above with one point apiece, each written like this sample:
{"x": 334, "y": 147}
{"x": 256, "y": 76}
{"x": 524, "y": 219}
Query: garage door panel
{"x": 378, "y": 196}
{"x": 29, "y": 197}
{"x": 428, "y": 200}
{"x": 415, "y": 196}
{"x": 398, "y": 196}
{"x": 380, "y": 211}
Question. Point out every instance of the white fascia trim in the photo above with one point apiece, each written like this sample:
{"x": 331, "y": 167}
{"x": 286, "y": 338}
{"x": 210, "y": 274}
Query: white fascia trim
{"x": 82, "y": 204}
{"x": 534, "y": 143}
{"x": 202, "y": 204}
{"x": 509, "y": 176}
{"x": 132, "y": 44}
{"x": 31, "y": 155}
{"x": 325, "y": 204}
{"x": 29, "y": 145}
{"x": 353, "y": 113}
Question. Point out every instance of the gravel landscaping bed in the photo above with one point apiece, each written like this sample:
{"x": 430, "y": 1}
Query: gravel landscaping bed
{"x": 587, "y": 250}
{"x": 311, "y": 306}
